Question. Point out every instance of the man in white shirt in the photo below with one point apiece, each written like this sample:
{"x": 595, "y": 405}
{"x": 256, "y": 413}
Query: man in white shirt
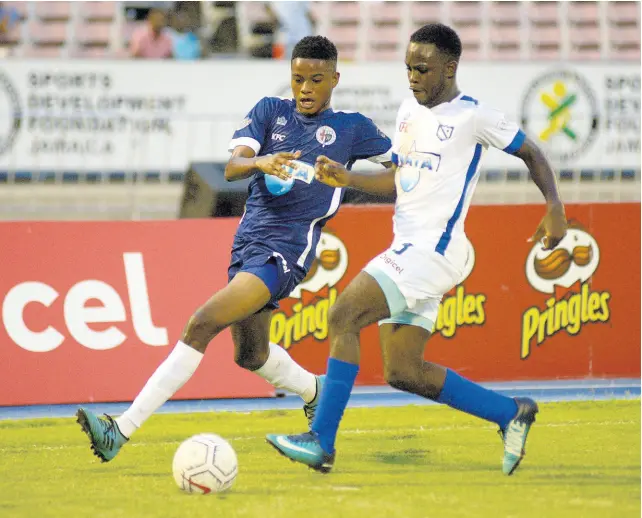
{"x": 440, "y": 139}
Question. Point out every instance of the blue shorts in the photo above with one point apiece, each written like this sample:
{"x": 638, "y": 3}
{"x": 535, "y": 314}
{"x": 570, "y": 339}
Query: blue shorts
{"x": 260, "y": 259}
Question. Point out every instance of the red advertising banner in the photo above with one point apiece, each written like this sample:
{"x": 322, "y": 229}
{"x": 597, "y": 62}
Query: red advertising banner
{"x": 521, "y": 314}
{"x": 90, "y": 309}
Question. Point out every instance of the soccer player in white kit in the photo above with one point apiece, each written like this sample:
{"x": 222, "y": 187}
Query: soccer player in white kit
{"x": 440, "y": 139}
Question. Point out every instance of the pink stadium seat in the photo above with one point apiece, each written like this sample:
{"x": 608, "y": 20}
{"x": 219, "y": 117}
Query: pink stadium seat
{"x": 98, "y": 33}
{"x": 343, "y": 35}
{"x": 53, "y": 33}
{"x": 583, "y": 13}
{"x": 471, "y": 53}
{"x": 585, "y": 54}
{"x": 506, "y": 37}
{"x": 504, "y": 53}
{"x": 53, "y": 10}
{"x": 545, "y": 43}
{"x": 470, "y": 36}
{"x": 584, "y": 37}
{"x": 465, "y": 13}
{"x": 425, "y": 12}
{"x": 543, "y": 13}
{"x": 623, "y": 13}
{"x": 625, "y": 37}
{"x": 98, "y": 10}
{"x": 386, "y": 12}
{"x": 90, "y": 53}
{"x": 625, "y": 54}
{"x": 505, "y": 13}
{"x": 384, "y": 36}
{"x": 382, "y": 54}
{"x": 40, "y": 52}
{"x": 345, "y": 12}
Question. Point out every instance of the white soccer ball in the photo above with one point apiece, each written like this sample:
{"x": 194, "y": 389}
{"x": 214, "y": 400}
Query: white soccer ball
{"x": 204, "y": 464}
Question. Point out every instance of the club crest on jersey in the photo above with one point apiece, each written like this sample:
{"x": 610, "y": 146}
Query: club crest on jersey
{"x": 281, "y": 121}
{"x": 326, "y": 136}
{"x": 444, "y": 132}
{"x": 244, "y": 123}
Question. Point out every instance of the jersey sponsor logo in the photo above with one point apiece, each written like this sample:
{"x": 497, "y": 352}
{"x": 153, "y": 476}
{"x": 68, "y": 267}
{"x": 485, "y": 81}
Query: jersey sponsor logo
{"x": 305, "y": 313}
{"x": 281, "y": 121}
{"x": 278, "y": 137}
{"x": 444, "y": 132}
{"x": 565, "y": 275}
{"x": 244, "y": 124}
{"x": 459, "y": 308}
{"x": 411, "y": 163}
{"x": 561, "y": 108}
{"x": 326, "y": 136}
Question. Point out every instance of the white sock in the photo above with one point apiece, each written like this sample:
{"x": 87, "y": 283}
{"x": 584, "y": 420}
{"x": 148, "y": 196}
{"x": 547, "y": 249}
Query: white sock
{"x": 170, "y": 376}
{"x": 283, "y": 372}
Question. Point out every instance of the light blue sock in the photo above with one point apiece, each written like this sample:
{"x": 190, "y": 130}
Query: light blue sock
{"x": 464, "y": 395}
{"x": 339, "y": 381}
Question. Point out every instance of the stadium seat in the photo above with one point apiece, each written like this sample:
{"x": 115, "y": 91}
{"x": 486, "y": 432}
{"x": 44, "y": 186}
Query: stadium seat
{"x": 98, "y": 10}
{"x": 386, "y": 12}
{"x": 625, "y": 41}
{"x": 422, "y": 13}
{"x": 52, "y": 33}
{"x": 90, "y": 53}
{"x": 623, "y": 13}
{"x": 98, "y": 33}
{"x": 583, "y": 13}
{"x": 470, "y": 37}
{"x": 345, "y": 12}
{"x": 40, "y": 52}
{"x": 585, "y": 42}
{"x": 384, "y": 36}
{"x": 543, "y": 13}
{"x": 505, "y": 42}
{"x": 505, "y": 13}
{"x": 382, "y": 54}
{"x": 465, "y": 13}
{"x": 545, "y": 43}
{"x": 53, "y": 10}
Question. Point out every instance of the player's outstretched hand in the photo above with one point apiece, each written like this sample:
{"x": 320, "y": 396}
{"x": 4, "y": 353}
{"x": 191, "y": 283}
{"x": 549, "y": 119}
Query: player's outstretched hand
{"x": 330, "y": 172}
{"x": 274, "y": 164}
{"x": 552, "y": 228}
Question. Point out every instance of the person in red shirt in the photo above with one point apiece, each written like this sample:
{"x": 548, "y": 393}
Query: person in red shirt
{"x": 150, "y": 41}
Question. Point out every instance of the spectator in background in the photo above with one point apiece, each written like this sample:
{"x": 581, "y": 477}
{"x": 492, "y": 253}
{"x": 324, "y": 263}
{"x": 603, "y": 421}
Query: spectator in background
{"x": 151, "y": 41}
{"x": 8, "y": 18}
{"x": 186, "y": 45}
{"x": 295, "y": 22}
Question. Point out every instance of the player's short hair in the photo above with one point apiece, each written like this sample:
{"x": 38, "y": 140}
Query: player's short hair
{"x": 441, "y": 36}
{"x": 315, "y": 47}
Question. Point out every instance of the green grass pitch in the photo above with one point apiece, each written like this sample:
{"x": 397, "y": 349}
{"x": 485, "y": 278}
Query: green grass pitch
{"x": 583, "y": 460}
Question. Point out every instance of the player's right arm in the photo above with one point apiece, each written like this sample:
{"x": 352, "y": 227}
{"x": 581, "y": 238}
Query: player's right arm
{"x": 243, "y": 163}
{"x": 335, "y": 174}
{"x": 247, "y": 142}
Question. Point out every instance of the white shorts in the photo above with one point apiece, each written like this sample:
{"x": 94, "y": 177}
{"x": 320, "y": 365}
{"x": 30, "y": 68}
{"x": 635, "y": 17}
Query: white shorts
{"x": 413, "y": 281}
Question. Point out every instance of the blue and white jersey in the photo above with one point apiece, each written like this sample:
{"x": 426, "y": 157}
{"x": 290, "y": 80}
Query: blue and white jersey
{"x": 438, "y": 151}
{"x": 289, "y": 215}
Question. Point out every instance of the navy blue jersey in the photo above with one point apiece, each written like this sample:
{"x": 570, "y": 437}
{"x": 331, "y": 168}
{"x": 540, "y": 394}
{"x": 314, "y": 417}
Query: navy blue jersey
{"x": 289, "y": 215}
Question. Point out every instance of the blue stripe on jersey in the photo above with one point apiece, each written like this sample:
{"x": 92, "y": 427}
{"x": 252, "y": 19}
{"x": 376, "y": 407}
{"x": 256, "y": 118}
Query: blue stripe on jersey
{"x": 395, "y": 159}
{"x": 470, "y": 99}
{"x": 516, "y": 143}
{"x": 445, "y": 238}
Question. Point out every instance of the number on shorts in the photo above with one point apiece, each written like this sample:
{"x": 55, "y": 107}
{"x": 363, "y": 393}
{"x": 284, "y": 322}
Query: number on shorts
{"x": 403, "y": 248}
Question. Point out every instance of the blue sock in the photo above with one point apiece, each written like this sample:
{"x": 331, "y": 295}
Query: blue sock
{"x": 474, "y": 399}
{"x": 339, "y": 381}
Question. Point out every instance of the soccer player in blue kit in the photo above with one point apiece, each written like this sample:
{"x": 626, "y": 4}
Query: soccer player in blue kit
{"x": 278, "y": 144}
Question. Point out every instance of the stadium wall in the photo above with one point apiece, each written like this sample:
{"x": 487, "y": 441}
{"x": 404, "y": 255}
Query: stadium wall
{"x": 89, "y": 309}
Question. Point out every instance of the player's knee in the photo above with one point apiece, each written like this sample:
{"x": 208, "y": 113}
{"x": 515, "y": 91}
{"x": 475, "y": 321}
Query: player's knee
{"x": 200, "y": 330}
{"x": 250, "y": 359}
{"x": 341, "y": 319}
{"x": 398, "y": 377}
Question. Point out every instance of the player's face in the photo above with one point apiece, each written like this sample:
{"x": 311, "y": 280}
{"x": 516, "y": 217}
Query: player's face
{"x": 312, "y": 83}
{"x": 430, "y": 73}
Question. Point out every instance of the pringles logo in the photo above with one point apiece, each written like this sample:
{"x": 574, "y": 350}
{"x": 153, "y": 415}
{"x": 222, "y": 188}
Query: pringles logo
{"x": 459, "y": 308}
{"x": 563, "y": 274}
{"x": 313, "y": 298}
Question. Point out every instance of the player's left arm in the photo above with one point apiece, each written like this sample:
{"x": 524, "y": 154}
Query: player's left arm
{"x": 493, "y": 129}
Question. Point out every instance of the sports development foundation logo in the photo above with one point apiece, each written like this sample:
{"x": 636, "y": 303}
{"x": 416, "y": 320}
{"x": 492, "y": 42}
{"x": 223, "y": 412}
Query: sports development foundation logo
{"x": 564, "y": 274}
{"x": 459, "y": 308}
{"x": 308, "y": 315}
{"x": 561, "y": 109}
{"x": 10, "y": 113}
